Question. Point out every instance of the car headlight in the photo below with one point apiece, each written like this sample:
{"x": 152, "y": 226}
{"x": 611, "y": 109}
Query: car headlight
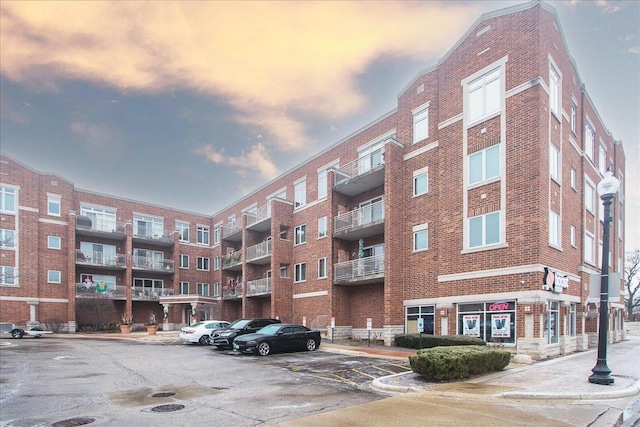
{"x": 251, "y": 342}
{"x": 226, "y": 334}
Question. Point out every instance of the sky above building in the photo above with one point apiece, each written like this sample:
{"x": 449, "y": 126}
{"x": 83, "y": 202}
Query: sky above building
{"x": 193, "y": 105}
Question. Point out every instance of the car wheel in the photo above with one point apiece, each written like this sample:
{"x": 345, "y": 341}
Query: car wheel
{"x": 204, "y": 340}
{"x": 264, "y": 349}
{"x": 311, "y": 344}
{"x": 17, "y": 333}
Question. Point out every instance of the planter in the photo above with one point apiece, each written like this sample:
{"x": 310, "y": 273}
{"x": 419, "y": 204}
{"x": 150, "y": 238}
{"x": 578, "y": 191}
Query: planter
{"x": 125, "y": 329}
{"x": 152, "y": 329}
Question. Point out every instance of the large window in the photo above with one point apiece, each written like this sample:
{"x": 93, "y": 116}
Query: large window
{"x": 300, "y": 193}
{"x": 484, "y": 165}
{"x": 146, "y": 226}
{"x": 573, "y": 179}
{"x": 589, "y": 140}
{"x": 300, "y": 272}
{"x": 202, "y": 263}
{"x": 7, "y": 200}
{"x": 300, "y": 234}
{"x": 147, "y": 259}
{"x": 322, "y": 184}
{"x": 491, "y": 321}
{"x": 602, "y": 158}
{"x": 184, "y": 261}
{"x": 7, "y": 275}
{"x": 554, "y": 91}
{"x": 424, "y": 312}
{"x": 589, "y": 197}
{"x": 484, "y": 96}
{"x": 217, "y": 289}
{"x": 216, "y": 263}
{"x": 484, "y": 230}
{"x": 7, "y": 239}
{"x": 574, "y": 117}
{"x": 101, "y": 219}
{"x": 202, "y": 235}
{"x": 183, "y": 231}
{"x": 589, "y": 248}
{"x": 322, "y": 268}
{"x": 554, "y": 163}
{"x": 554, "y": 229}
{"x": 420, "y": 237}
{"x": 53, "y": 205}
{"x": 322, "y": 227}
{"x": 216, "y": 235}
{"x": 101, "y": 254}
{"x": 420, "y": 125}
{"x": 202, "y": 289}
{"x": 572, "y": 319}
{"x": 421, "y": 181}
{"x": 552, "y": 322}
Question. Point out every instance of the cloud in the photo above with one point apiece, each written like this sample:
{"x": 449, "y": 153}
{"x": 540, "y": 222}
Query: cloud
{"x": 273, "y": 61}
{"x": 257, "y": 159}
{"x": 97, "y": 139}
{"x": 635, "y": 50}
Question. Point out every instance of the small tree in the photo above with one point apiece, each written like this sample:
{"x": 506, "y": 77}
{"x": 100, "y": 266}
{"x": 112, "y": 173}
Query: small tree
{"x": 632, "y": 282}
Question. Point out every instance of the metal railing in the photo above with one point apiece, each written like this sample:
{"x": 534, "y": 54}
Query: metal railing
{"x": 150, "y": 263}
{"x": 231, "y": 259}
{"x": 98, "y": 258}
{"x": 228, "y": 230}
{"x": 359, "y": 268}
{"x": 359, "y": 217}
{"x": 360, "y": 166}
{"x": 258, "y": 215}
{"x": 143, "y": 293}
{"x": 100, "y": 224}
{"x": 259, "y": 287}
{"x": 232, "y": 292}
{"x": 92, "y": 290}
{"x": 153, "y": 234}
{"x": 258, "y": 251}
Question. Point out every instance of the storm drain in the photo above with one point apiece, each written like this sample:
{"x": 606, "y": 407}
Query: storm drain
{"x": 167, "y": 408}
{"x": 72, "y": 422}
{"x": 163, "y": 394}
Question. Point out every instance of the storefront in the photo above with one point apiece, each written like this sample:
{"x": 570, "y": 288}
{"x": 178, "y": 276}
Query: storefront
{"x": 493, "y": 321}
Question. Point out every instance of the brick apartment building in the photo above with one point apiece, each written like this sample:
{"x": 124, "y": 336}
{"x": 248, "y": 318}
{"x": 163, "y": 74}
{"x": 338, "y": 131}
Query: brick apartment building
{"x": 455, "y": 208}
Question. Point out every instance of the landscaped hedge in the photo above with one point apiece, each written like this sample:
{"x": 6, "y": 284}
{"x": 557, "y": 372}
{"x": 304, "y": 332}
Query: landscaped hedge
{"x": 430, "y": 341}
{"x": 457, "y": 362}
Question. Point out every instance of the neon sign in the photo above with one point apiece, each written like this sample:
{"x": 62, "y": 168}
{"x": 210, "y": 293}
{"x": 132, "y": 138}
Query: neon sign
{"x": 499, "y": 306}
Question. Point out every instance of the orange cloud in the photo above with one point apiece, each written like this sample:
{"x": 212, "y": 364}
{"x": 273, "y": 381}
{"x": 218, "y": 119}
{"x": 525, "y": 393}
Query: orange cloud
{"x": 257, "y": 160}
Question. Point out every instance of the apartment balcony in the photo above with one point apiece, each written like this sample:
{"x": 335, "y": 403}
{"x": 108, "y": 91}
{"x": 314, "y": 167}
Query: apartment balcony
{"x": 361, "y": 175}
{"x": 153, "y": 237}
{"x": 153, "y": 264}
{"x": 259, "y": 220}
{"x": 101, "y": 259}
{"x": 232, "y": 293}
{"x": 260, "y": 253}
{"x": 360, "y": 271}
{"x": 139, "y": 293}
{"x": 259, "y": 287}
{"x": 231, "y": 233}
{"x": 232, "y": 261}
{"x": 360, "y": 223}
{"x": 93, "y": 291}
{"x": 87, "y": 226}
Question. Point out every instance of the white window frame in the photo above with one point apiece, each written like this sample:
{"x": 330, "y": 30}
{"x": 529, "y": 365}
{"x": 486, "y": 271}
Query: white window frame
{"x": 555, "y": 91}
{"x": 217, "y": 289}
{"x": 602, "y": 158}
{"x": 202, "y": 232}
{"x": 7, "y": 239}
{"x": 183, "y": 265}
{"x": 155, "y": 226}
{"x": 573, "y": 236}
{"x": 51, "y": 242}
{"x": 54, "y": 276}
{"x": 323, "y": 230}
{"x": 489, "y": 89}
{"x": 183, "y": 228}
{"x": 484, "y": 178}
{"x": 555, "y": 226}
{"x": 300, "y": 272}
{"x": 202, "y": 289}
{"x": 589, "y": 140}
{"x": 589, "y": 248}
{"x": 7, "y": 275}
{"x": 590, "y": 196}
{"x": 8, "y": 200}
{"x": 323, "y": 184}
{"x": 202, "y": 263}
{"x": 574, "y": 117}
{"x": 323, "y": 270}
{"x": 554, "y": 162}
{"x": 573, "y": 179}
{"x": 418, "y": 175}
{"x": 216, "y": 263}
{"x": 54, "y": 201}
{"x": 216, "y": 235}
{"x": 300, "y": 193}
{"x": 184, "y": 286}
{"x": 420, "y": 231}
{"x": 421, "y": 123}
{"x": 483, "y": 230}
{"x": 300, "y": 235}
{"x": 284, "y": 273}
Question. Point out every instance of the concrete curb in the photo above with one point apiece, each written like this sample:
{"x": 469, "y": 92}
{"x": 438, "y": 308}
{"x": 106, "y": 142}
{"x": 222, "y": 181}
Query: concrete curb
{"x": 614, "y": 394}
{"x": 378, "y": 384}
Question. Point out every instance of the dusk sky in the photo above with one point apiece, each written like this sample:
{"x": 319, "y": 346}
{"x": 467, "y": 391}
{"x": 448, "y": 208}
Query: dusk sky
{"x": 193, "y": 105}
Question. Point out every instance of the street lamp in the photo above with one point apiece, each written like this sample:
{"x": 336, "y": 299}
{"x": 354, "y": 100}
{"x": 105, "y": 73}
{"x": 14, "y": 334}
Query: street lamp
{"x": 607, "y": 189}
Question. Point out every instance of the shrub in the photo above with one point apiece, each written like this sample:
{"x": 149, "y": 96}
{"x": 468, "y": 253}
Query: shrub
{"x": 458, "y": 362}
{"x": 430, "y": 341}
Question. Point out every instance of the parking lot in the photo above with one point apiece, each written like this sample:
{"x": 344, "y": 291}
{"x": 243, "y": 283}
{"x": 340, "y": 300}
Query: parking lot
{"x": 114, "y": 382}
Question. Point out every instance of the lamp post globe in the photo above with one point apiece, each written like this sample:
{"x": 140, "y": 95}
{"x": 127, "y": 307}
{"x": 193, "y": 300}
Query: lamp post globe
{"x": 601, "y": 374}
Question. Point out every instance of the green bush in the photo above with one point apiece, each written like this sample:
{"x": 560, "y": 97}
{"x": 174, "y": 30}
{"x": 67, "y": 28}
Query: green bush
{"x": 457, "y": 362}
{"x": 430, "y": 341}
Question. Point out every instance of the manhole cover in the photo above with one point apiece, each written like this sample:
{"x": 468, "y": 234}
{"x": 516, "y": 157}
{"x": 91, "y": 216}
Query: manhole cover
{"x": 167, "y": 408}
{"x": 163, "y": 394}
{"x": 72, "y": 422}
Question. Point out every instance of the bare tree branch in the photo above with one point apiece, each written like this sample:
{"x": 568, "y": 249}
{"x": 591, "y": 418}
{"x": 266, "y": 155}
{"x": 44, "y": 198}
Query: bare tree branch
{"x": 632, "y": 282}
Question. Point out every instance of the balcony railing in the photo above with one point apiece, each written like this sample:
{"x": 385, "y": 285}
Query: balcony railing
{"x": 231, "y": 232}
{"x": 232, "y": 260}
{"x": 93, "y": 290}
{"x": 259, "y": 287}
{"x": 359, "y": 269}
{"x": 260, "y": 250}
{"x": 258, "y": 215}
{"x": 101, "y": 259}
{"x": 156, "y": 235}
{"x": 360, "y": 166}
{"x": 232, "y": 291}
{"x": 359, "y": 217}
{"x": 142, "y": 293}
{"x": 150, "y": 263}
{"x": 100, "y": 225}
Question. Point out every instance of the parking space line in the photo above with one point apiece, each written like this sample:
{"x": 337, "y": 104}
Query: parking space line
{"x": 383, "y": 370}
{"x": 365, "y": 374}
{"x": 339, "y": 380}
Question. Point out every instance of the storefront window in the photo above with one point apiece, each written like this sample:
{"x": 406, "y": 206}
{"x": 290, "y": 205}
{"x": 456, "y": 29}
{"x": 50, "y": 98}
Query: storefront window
{"x": 552, "y": 322}
{"x": 491, "y": 321}
{"x": 572, "y": 319}
{"x": 425, "y": 312}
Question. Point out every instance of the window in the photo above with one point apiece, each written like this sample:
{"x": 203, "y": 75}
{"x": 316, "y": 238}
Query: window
{"x": 203, "y": 235}
{"x": 322, "y": 268}
{"x": 216, "y": 263}
{"x": 554, "y": 91}
{"x": 101, "y": 254}
{"x": 7, "y": 239}
{"x": 146, "y": 226}
{"x": 184, "y": 261}
{"x": 322, "y": 227}
{"x": 202, "y": 289}
{"x": 202, "y": 263}
{"x": 300, "y": 234}
{"x": 484, "y": 96}
{"x": 484, "y": 165}
{"x": 589, "y": 140}
{"x": 101, "y": 219}
{"x": 589, "y": 197}
{"x": 572, "y": 319}
{"x": 420, "y": 237}
{"x": 54, "y": 242}
{"x": 589, "y": 248}
{"x": 426, "y": 313}
{"x": 148, "y": 287}
{"x": 183, "y": 231}
{"x": 216, "y": 235}
{"x": 54, "y": 276}
{"x": 283, "y": 271}
{"x": 573, "y": 179}
{"x": 7, "y": 200}
{"x": 493, "y": 321}
{"x": 421, "y": 125}
{"x": 184, "y": 288}
{"x": 300, "y": 193}
{"x": 554, "y": 229}
{"x": 552, "y": 322}
{"x": 7, "y": 275}
{"x": 91, "y": 281}
{"x": 574, "y": 116}
{"x": 573, "y": 236}
{"x": 554, "y": 163}
{"x": 421, "y": 181}
{"x": 217, "y": 289}
{"x": 484, "y": 230}
{"x": 602, "y": 158}
{"x": 322, "y": 184}
{"x": 300, "y": 272}
{"x": 53, "y": 205}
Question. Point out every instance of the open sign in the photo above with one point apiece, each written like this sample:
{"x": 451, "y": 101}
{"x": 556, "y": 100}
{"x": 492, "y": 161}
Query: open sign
{"x": 499, "y": 306}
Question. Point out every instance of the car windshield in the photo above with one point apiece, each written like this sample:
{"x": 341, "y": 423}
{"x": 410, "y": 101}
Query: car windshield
{"x": 195, "y": 325}
{"x": 270, "y": 329}
{"x": 239, "y": 324}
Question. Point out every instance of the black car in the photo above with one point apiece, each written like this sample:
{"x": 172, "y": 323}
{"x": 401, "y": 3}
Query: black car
{"x": 278, "y": 337}
{"x": 223, "y": 338}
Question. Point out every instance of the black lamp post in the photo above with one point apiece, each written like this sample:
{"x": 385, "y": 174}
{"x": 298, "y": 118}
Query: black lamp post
{"x": 607, "y": 189}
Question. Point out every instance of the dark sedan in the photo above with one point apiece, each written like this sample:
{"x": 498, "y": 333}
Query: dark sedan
{"x": 278, "y": 337}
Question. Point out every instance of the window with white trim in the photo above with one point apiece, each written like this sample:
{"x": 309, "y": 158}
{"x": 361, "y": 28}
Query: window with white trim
{"x": 574, "y": 117}
{"x": 300, "y": 272}
{"x": 554, "y": 91}
{"x": 589, "y": 196}
{"x": 184, "y": 288}
{"x": 484, "y": 95}
{"x": 322, "y": 184}
{"x": 484, "y": 165}
{"x": 202, "y": 289}
{"x": 284, "y": 271}
{"x": 420, "y": 237}
{"x": 183, "y": 231}
{"x": 202, "y": 235}
{"x": 554, "y": 163}
{"x": 184, "y": 261}
{"x": 7, "y": 275}
{"x": 322, "y": 227}
{"x": 216, "y": 235}
{"x": 54, "y": 276}
{"x": 148, "y": 226}
{"x": 573, "y": 179}
{"x": 300, "y": 193}
{"x": 300, "y": 234}
{"x": 217, "y": 289}
{"x": 421, "y": 125}
{"x": 54, "y": 205}
{"x": 484, "y": 230}
{"x": 573, "y": 236}
{"x": 602, "y": 158}
{"x": 554, "y": 228}
{"x": 589, "y": 140}
{"x": 216, "y": 263}
{"x": 202, "y": 263}
{"x": 101, "y": 219}
{"x": 589, "y": 248}
{"x": 54, "y": 242}
{"x": 7, "y": 239}
{"x": 7, "y": 200}
{"x": 322, "y": 268}
{"x": 421, "y": 181}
